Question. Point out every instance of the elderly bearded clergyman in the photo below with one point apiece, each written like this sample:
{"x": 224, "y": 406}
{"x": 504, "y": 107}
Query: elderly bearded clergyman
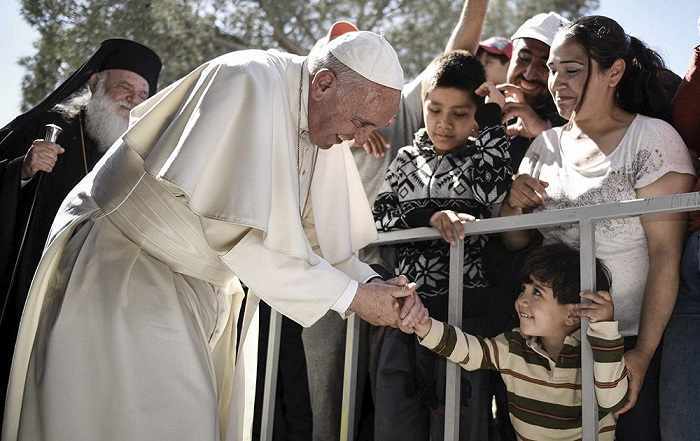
{"x": 92, "y": 107}
{"x": 130, "y": 327}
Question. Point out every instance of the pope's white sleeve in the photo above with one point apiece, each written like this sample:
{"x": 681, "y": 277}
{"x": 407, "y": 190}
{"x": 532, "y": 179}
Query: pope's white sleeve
{"x": 358, "y": 271}
{"x": 299, "y": 290}
{"x": 342, "y": 305}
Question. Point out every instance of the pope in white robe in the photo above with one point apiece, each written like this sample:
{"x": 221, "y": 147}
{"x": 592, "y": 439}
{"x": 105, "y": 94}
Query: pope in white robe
{"x": 129, "y": 331}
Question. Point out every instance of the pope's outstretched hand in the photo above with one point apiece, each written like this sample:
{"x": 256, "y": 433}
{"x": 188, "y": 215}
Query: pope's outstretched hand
{"x": 378, "y": 302}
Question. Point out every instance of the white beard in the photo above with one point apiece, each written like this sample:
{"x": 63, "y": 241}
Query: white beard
{"x": 103, "y": 123}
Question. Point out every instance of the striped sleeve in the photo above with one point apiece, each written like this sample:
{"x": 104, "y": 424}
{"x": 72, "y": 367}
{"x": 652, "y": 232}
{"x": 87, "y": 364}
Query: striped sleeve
{"x": 469, "y": 351}
{"x": 608, "y": 365}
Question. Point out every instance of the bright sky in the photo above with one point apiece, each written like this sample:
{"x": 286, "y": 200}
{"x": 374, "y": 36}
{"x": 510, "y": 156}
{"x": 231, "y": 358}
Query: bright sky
{"x": 669, "y": 27}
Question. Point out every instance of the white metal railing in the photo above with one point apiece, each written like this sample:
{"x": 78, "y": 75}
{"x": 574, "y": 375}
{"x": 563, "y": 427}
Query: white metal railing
{"x": 584, "y": 216}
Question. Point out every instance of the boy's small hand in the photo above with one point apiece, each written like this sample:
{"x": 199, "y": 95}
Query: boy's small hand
{"x": 423, "y": 326}
{"x": 600, "y": 308}
{"x": 450, "y": 224}
{"x": 416, "y": 315}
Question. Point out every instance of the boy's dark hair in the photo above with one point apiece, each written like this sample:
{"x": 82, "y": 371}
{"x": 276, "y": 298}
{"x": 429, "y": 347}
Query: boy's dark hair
{"x": 456, "y": 69}
{"x": 558, "y": 266}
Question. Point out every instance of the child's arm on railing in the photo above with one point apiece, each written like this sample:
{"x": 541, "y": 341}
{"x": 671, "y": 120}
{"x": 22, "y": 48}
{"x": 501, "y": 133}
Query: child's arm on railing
{"x": 609, "y": 372}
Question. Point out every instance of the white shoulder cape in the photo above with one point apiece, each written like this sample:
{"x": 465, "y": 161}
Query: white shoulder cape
{"x": 226, "y": 137}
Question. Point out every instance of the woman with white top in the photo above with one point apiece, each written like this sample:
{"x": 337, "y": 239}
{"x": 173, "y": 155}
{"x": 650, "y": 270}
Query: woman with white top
{"x": 615, "y": 147}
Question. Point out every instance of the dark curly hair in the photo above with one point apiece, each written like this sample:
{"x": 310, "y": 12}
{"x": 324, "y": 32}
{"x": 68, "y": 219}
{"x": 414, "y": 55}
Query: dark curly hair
{"x": 558, "y": 266}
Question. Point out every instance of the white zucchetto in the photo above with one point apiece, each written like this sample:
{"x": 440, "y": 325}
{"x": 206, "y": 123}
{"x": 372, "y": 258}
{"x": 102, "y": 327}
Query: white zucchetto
{"x": 370, "y": 55}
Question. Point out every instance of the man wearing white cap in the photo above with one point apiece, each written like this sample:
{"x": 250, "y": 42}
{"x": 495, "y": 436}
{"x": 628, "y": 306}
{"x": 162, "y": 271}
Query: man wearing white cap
{"x": 527, "y": 78}
{"x": 530, "y": 110}
{"x": 129, "y": 331}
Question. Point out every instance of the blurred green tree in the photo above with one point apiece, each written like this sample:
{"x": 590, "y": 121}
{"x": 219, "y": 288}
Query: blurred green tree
{"x": 185, "y": 33}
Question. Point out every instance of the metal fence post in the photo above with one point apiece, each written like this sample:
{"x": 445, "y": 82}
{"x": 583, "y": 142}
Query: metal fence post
{"x": 454, "y": 317}
{"x": 270, "y": 391}
{"x": 347, "y": 410}
{"x": 589, "y": 402}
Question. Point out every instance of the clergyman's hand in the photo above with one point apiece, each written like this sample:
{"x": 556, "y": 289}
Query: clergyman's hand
{"x": 41, "y": 156}
{"x": 378, "y": 302}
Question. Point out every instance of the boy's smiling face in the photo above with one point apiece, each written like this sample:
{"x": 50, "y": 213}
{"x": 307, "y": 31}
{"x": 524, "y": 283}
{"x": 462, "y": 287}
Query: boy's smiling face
{"x": 449, "y": 117}
{"x": 540, "y": 314}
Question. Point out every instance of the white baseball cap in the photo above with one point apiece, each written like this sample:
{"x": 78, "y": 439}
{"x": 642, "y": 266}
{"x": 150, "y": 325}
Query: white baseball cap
{"x": 542, "y": 27}
{"x": 370, "y": 55}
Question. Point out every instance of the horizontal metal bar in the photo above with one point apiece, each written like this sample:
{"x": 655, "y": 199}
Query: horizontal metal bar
{"x": 636, "y": 207}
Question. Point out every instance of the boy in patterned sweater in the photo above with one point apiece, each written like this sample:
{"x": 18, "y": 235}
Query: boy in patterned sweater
{"x": 459, "y": 163}
{"x": 540, "y": 362}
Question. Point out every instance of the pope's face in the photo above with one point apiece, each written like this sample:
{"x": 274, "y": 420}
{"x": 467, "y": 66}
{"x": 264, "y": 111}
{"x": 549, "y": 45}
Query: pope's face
{"x": 339, "y": 112}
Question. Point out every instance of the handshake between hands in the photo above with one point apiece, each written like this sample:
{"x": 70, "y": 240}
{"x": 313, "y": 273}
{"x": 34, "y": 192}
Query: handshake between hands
{"x": 394, "y": 303}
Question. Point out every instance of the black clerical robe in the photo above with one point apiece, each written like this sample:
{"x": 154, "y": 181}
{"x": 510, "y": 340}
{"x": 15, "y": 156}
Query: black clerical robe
{"x": 79, "y": 157}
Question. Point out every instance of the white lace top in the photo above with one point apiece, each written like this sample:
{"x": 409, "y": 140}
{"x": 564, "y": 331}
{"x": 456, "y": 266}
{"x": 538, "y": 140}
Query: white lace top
{"x": 649, "y": 149}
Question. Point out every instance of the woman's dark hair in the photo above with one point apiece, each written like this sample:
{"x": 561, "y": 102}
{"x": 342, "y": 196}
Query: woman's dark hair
{"x": 641, "y": 89}
{"x": 559, "y": 267}
{"x": 458, "y": 70}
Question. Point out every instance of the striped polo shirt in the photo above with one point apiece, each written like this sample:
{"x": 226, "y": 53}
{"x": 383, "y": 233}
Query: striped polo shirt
{"x": 544, "y": 395}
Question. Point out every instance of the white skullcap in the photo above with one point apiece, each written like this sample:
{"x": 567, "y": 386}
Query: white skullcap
{"x": 370, "y": 55}
{"x": 542, "y": 27}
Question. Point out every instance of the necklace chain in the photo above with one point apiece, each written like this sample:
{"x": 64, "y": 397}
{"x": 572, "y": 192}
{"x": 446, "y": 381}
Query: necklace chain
{"x": 82, "y": 142}
{"x": 299, "y": 150}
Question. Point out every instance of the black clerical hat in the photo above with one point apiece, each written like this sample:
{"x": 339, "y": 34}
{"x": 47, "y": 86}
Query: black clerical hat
{"x": 129, "y": 55}
{"x": 115, "y": 53}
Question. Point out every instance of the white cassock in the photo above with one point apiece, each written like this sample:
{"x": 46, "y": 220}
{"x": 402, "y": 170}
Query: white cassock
{"x": 130, "y": 327}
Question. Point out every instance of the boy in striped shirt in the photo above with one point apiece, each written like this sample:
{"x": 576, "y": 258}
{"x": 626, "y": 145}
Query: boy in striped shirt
{"x": 540, "y": 362}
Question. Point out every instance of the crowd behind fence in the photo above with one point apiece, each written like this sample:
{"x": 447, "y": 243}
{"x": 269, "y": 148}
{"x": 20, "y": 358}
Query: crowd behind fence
{"x": 586, "y": 217}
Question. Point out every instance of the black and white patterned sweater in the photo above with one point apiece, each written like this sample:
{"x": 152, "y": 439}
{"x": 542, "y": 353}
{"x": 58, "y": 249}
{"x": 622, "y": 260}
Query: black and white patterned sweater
{"x": 419, "y": 182}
